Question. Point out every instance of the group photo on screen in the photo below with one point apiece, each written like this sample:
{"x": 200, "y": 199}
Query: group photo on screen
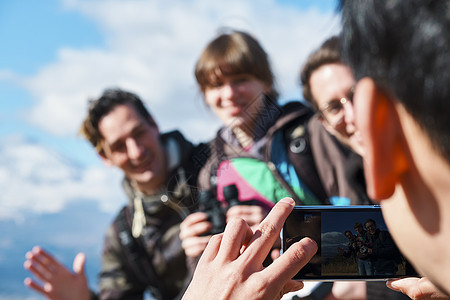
{"x": 351, "y": 244}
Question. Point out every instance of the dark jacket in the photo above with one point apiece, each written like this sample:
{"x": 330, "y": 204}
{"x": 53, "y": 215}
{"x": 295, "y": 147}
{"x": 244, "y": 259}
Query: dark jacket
{"x": 383, "y": 252}
{"x": 339, "y": 168}
{"x": 154, "y": 260}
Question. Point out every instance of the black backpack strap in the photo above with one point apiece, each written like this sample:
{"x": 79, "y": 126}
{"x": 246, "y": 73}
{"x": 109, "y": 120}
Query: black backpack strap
{"x": 294, "y": 124}
{"x": 136, "y": 256}
{"x": 300, "y": 154}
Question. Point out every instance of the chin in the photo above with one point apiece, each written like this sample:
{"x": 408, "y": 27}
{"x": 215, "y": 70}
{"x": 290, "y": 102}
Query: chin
{"x": 144, "y": 177}
{"x": 345, "y": 140}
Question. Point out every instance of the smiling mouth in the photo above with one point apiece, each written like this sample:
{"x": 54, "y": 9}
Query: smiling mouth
{"x": 144, "y": 166}
{"x": 234, "y": 110}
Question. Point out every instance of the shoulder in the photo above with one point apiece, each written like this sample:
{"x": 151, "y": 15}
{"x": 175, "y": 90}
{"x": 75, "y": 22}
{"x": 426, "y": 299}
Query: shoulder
{"x": 112, "y": 240}
{"x": 201, "y": 153}
{"x": 292, "y": 114}
{"x": 178, "y": 149}
{"x": 122, "y": 219}
{"x": 176, "y": 137}
{"x": 296, "y": 105}
{"x": 296, "y": 110}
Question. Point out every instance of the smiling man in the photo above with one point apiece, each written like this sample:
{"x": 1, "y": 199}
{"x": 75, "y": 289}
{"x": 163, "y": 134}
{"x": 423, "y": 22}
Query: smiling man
{"x": 142, "y": 249}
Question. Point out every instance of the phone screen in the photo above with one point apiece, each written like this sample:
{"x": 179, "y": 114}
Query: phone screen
{"x": 353, "y": 243}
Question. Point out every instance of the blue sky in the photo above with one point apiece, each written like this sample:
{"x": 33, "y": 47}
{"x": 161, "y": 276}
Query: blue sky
{"x": 56, "y": 54}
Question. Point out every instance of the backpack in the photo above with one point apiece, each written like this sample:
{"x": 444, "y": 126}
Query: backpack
{"x": 259, "y": 180}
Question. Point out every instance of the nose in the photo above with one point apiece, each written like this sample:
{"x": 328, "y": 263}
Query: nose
{"x": 349, "y": 115}
{"x": 229, "y": 90}
{"x": 134, "y": 148}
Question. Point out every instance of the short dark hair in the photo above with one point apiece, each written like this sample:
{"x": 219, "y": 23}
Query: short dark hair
{"x": 370, "y": 221}
{"x": 328, "y": 53}
{"x": 98, "y": 108}
{"x": 233, "y": 53}
{"x": 357, "y": 224}
{"x": 404, "y": 46}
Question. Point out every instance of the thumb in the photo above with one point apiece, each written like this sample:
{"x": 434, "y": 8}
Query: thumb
{"x": 292, "y": 286}
{"x": 79, "y": 263}
{"x": 275, "y": 254}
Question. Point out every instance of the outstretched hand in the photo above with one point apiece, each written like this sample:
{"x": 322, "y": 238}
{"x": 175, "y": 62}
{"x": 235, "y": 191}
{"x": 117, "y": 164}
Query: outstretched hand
{"x": 58, "y": 282}
{"x": 417, "y": 288}
{"x": 231, "y": 265}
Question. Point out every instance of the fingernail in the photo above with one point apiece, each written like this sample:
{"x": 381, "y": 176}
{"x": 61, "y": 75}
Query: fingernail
{"x": 391, "y": 284}
{"x": 288, "y": 200}
{"x": 310, "y": 243}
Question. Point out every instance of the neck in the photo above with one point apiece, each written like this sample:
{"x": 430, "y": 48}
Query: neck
{"x": 148, "y": 190}
{"x": 244, "y": 136}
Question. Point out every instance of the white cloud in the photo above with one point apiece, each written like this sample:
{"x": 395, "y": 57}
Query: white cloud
{"x": 334, "y": 238}
{"x": 151, "y": 49}
{"x": 33, "y": 178}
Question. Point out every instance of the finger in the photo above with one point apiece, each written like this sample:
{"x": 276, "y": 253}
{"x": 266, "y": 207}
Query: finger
{"x": 195, "y": 251}
{"x": 269, "y": 230}
{"x": 237, "y": 211}
{"x": 195, "y": 229}
{"x": 193, "y": 218}
{"x": 237, "y": 234}
{"x": 212, "y": 248}
{"x": 292, "y": 286}
{"x": 275, "y": 253}
{"x": 34, "y": 286}
{"x": 44, "y": 256}
{"x": 33, "y": 258}
{"x": 37, "y": 270}
{"x": 194, "y": 247}
{"x": 194, "y": 241}
{"x": 295, "y": 258}
{"x": 79, "y": 263}
{"x": 416, "y": 288}
{"x": 252, "y": 219}
{"x": 245, "y": 210}
{"x": 42, "y": 260}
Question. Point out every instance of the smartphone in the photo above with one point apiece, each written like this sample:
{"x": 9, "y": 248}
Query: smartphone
{"x": 353, "y": 243}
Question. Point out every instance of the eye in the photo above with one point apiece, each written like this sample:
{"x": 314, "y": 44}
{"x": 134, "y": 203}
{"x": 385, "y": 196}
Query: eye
{"x": 334, "y": 107}
{"x": 140, "y": 134}
{"x": 118, "y": 147}
{"x": 241, "y": 80}
{"x": 215, "y": 84}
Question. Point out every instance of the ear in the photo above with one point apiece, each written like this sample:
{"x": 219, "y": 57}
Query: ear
{"x": 383, "y": 140}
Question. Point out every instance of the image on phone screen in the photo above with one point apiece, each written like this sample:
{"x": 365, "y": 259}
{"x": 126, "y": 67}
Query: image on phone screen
{"x": 353, "y": 243}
